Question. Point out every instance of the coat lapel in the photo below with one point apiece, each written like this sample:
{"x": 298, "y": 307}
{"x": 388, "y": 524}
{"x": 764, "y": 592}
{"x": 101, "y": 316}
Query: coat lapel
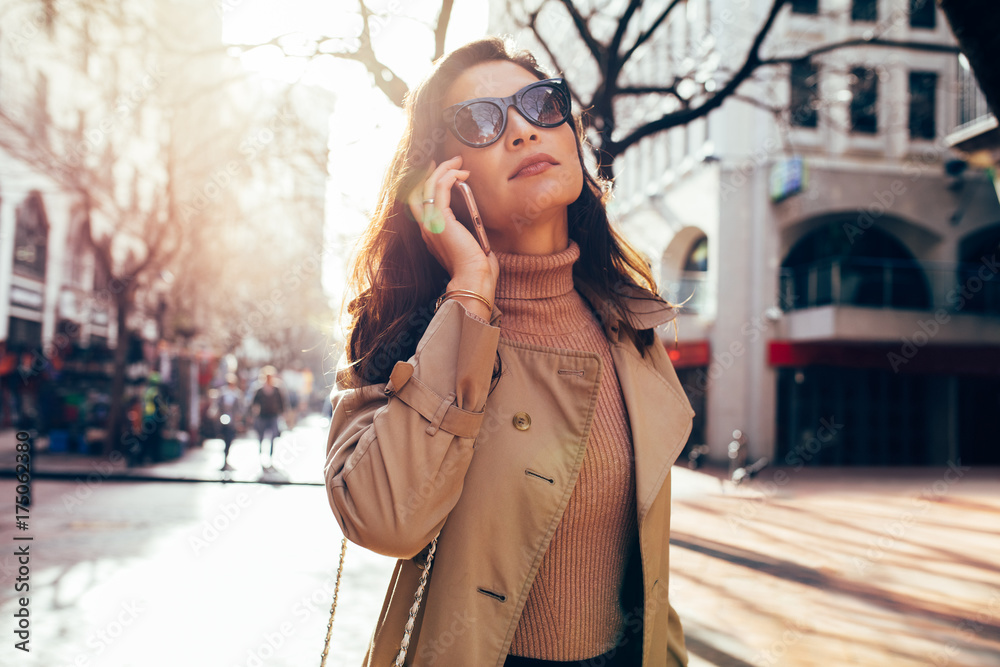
{"x": 658, "y": 410}
{"x": 660, "y": 418}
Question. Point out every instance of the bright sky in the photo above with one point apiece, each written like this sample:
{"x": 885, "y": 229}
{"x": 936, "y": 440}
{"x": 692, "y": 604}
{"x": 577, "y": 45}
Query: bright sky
{"x": 365, "y": 127}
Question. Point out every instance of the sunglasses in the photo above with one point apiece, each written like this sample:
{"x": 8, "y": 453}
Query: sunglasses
{"x": 480, "y": 122}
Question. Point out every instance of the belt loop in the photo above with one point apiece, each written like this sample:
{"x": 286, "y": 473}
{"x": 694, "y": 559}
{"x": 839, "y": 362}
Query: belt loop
{"x": 439, "y": 414}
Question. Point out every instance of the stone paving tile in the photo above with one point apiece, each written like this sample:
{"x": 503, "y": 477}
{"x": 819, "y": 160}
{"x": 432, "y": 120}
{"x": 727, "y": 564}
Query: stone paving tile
{"x": 868, "y": 567}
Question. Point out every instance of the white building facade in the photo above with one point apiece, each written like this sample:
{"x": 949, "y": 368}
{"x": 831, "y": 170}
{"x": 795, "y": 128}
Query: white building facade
{"x": 85, "y": 111}
{"x": 841, "y": 258}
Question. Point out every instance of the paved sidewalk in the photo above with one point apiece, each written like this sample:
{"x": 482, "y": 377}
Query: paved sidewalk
{"x": 839, "y": 566}
{"x": 812, "y": 567}
{"x": 197, "y": 463}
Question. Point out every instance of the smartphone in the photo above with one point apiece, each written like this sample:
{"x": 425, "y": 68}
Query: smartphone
{"x": 463, "y": 205}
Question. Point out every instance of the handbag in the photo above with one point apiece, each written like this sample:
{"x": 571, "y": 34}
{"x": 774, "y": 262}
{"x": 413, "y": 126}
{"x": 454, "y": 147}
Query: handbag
{"x": 404, "y": 644}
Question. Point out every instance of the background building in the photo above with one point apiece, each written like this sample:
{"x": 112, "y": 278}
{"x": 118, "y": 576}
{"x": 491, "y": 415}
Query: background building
{"x": 840, "y": 259}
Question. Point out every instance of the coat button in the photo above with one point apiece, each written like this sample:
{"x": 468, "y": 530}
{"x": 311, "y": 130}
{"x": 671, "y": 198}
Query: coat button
{"x": 522, "y": 420}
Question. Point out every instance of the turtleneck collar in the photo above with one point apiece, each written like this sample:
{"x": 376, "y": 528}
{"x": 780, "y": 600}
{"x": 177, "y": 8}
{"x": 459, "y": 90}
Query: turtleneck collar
{"x": 536, "y": 276}
{"x": 538, "y": 299}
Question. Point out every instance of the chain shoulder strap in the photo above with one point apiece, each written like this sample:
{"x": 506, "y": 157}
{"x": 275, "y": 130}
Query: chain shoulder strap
{"x": 417, "y": 598}
{"x": 412, "y": 617}
{"x": 333, "y": 607}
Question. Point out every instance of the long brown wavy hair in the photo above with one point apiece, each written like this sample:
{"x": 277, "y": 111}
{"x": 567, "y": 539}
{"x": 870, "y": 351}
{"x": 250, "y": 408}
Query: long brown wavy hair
{"x": 396, "y": 278}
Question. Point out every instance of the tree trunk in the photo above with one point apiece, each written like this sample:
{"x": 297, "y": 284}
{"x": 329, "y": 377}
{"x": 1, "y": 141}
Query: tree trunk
{"x": 116, "y": 414}
{"x": 976, "y": 28}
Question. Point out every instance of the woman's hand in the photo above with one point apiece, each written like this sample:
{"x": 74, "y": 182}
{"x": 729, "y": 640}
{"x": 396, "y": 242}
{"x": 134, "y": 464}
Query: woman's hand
{"x": 447, "y": 239}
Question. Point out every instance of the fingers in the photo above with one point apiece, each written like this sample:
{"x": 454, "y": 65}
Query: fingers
{"x": 447, "y": 240}
{"x": 437, "y": 214}
{"x": 431, "y": 202}
{"x": 415, "y": 199}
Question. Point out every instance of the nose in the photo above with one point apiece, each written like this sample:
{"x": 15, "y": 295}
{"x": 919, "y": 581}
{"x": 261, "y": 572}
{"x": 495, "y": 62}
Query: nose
{"x": 519, "y": 130}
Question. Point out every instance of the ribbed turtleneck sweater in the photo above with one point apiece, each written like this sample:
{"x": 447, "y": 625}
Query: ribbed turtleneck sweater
{"x": 573, "y": 610}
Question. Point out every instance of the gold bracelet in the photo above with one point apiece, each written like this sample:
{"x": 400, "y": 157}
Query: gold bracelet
{"x": 463, "y": 292}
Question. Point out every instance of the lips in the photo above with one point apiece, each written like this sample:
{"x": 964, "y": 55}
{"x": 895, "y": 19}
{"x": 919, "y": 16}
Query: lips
{"x": 533, "y": 164}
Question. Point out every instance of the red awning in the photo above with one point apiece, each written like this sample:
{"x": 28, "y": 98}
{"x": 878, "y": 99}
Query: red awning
{"x": 901, "y": 357}
{"x": 690, "y": 354}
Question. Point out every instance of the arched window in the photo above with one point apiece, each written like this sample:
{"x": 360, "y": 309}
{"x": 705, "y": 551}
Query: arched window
{"x": 697, "y": 257}
{"x": 980, "y": 250}
{"x": 874, "y": 269}
{"x": 694, "y": 278}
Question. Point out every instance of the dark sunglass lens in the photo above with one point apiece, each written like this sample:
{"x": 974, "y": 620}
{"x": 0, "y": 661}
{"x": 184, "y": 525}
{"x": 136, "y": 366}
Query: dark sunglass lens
{"x": 546, "y": 104}
{"x": 479, "y": 123}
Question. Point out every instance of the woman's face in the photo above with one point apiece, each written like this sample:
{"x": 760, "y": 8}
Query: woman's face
{"x": 511, "y": 199}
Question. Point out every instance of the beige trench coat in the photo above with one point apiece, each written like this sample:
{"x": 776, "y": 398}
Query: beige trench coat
{"x": 433, "y": 450}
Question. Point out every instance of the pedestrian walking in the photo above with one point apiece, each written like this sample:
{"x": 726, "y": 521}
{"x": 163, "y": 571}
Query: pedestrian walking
{"x": 268, "y": 406}
{"x": 229, "y": 412}
{"x": 513, "y": 413}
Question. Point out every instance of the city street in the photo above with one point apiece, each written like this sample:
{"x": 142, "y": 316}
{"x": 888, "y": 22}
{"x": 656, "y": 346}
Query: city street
{"x": 811, "y": 567}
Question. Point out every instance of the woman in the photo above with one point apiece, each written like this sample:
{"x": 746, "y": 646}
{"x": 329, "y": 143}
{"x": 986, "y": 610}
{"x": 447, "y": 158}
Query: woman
{"x": 533, "y": 416}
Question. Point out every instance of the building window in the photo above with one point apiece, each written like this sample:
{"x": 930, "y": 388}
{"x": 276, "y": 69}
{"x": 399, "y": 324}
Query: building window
{"x": 24, "y": 334}
{"x": 804, "y": 93}
{"x": 693, "y": 285}
{"x": 923, "y": 102}
{"x": 805, "y": 6}
{"x": 864, "y": 100}
{"x": 31, "y": 234}
{"x": 697, "y": 257}
{"x": 864, "y": 10}
{"x": 923, "y": 14}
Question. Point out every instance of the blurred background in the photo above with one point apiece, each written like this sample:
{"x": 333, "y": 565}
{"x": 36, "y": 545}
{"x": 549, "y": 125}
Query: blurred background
{"x": 181, "y": 184}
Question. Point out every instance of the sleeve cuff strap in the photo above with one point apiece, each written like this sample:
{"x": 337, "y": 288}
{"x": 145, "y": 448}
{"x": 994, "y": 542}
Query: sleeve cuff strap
{"x": 441, "y": 412}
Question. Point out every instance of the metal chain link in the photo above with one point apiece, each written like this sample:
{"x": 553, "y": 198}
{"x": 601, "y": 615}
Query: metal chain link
{"x": 333, "y": 607}
{"x": 417, "y": 598}
{"x": 405, "y": 644}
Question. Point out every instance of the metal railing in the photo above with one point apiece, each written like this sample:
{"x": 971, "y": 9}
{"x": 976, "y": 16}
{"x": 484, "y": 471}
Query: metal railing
{"x": 972, "y": 105}
{"x": 887, "y": 283}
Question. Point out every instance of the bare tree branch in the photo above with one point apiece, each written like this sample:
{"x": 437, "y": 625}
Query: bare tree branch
{"x": 649, "y": 32}
{"x": 648, "y": 90}
{"x": 685, "y": 116}
{"x": 533, "y": 25}
{"x": 441, "y": 29}
{"x": 595, "y": 48}
{"x": 616, "y": 39}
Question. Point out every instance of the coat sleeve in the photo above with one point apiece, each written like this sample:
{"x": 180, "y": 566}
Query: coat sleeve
{"x": 397, "y": 453}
